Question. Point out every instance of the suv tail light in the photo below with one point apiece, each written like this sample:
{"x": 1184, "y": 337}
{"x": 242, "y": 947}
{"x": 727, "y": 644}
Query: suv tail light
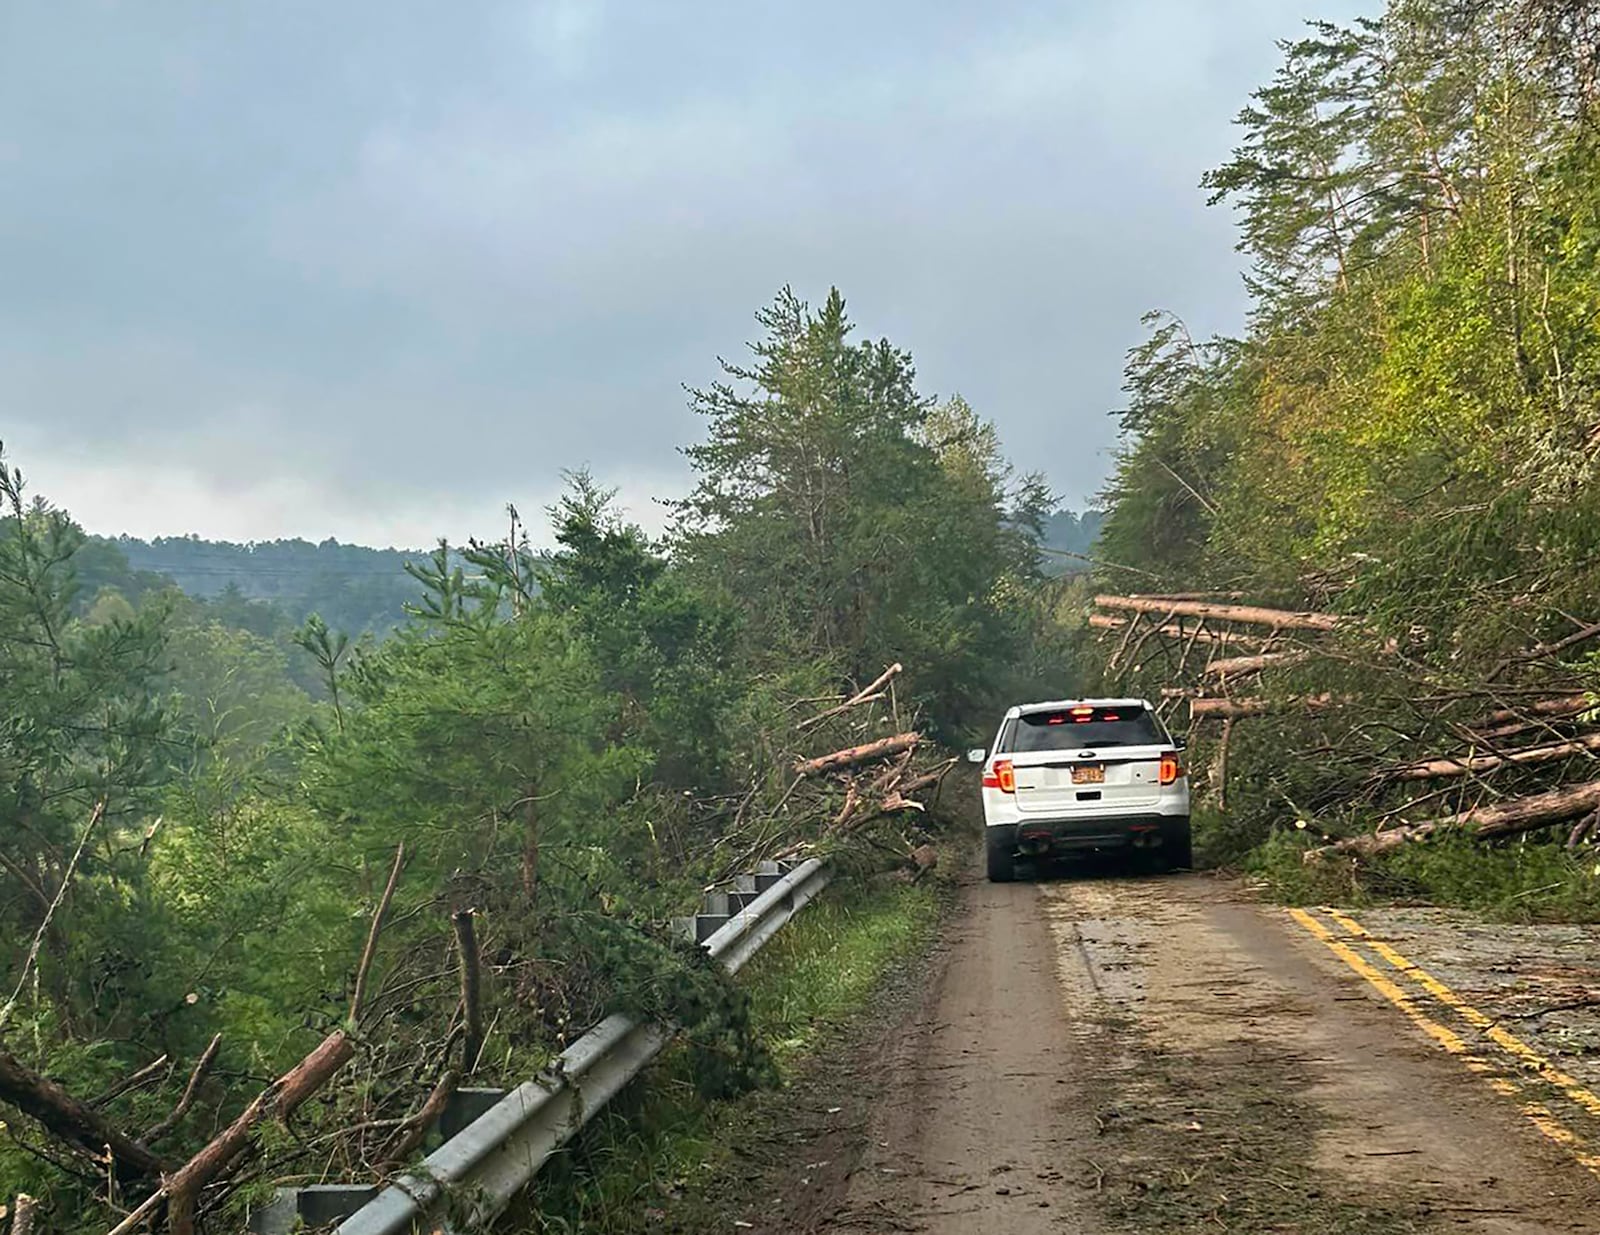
{"x": 1002, "y": 777}
{"x": 1171, "y": 769}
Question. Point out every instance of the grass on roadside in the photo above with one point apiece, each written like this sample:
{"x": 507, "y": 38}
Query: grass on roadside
{"x": 1520, "y": 880}
{"x": 639, "y": 1155}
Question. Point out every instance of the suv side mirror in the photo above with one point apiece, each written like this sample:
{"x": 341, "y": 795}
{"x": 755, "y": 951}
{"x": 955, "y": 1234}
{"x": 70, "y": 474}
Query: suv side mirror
{"x": 977, "y": 755}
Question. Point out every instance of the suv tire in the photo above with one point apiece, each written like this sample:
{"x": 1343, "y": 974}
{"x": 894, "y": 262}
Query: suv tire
{"x": 999, "y": 844}
{"x": 1178, "y": 848}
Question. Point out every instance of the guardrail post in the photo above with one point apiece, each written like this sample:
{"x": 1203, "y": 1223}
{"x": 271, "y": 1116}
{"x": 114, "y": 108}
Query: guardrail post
{"x": 298, "y": 1209}
{"x": 466, "y": 1105}
{"x": 767, "y": 874}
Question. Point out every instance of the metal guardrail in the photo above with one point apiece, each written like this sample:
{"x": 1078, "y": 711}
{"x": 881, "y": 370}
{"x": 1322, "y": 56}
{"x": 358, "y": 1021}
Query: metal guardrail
{"x": 465, "y": 1183}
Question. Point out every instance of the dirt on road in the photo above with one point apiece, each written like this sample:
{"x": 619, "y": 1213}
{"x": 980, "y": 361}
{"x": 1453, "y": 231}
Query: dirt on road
{"x": 1109, "y": 1053}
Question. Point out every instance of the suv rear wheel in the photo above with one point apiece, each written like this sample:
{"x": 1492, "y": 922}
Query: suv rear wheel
{"x": 1177, "y": 849}
{"x": 1000, "y": 844}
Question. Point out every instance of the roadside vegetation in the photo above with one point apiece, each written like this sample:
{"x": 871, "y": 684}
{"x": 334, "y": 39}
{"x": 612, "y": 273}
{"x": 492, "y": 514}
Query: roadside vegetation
{"x": 657, "y": 1159}
{"x": 234, "y": 850}
{"x": 1404, "y": 443}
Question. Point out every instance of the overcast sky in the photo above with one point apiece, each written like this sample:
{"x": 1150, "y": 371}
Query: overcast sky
{"x": 371, "y": 269}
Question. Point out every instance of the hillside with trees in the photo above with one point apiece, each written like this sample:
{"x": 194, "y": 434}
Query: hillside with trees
{"x": 351, "y": 587}
{"x": 1405, "y": 439}
{"x": 547, "y": 759}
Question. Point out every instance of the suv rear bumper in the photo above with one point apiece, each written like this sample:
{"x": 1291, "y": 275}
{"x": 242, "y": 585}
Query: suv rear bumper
{"x": 1033, "y": 837}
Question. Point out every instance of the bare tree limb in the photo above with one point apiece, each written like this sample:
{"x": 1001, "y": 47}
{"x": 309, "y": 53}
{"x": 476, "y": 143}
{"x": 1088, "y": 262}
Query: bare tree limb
{"x": 38, "y": 936}
{"x": 207, "y": 1058}
{"x": 367, "y": 953}
{"x": 865, "y": 695}
{"x": 414, "y": 1130}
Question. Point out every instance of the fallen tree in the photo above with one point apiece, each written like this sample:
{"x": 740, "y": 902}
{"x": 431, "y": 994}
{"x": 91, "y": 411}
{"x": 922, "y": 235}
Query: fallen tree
{"x": 74, "y": 1121}
{"x": 1444, "y": 767}
{"x": 1507, "y": 818}
{"x": 1249, "y": 615}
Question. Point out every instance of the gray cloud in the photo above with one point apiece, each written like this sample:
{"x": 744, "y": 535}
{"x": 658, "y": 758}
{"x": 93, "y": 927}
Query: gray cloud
{"x": 372, "y": 269}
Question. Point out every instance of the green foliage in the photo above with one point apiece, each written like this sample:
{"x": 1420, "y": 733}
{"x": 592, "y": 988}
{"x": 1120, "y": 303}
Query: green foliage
{"x": 86, "y": 736}
{"x": 560, "y": 748}
{"x": 819, "y": 971}
{"x": 1407, "y": 432}
{"x": 839, "y": 512}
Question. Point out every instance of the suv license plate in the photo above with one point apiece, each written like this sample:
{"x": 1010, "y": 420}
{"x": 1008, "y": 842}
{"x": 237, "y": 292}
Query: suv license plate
{"x": 1089, "y": 774}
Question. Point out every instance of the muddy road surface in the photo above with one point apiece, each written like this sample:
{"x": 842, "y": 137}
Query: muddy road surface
{"x": 1105, "y": 1053}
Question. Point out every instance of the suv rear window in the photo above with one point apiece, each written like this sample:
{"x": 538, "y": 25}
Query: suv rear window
{"x": 1080, "y": 727}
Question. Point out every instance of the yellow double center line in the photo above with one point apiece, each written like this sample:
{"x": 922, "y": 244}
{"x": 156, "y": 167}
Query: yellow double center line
{"x": 1528, "y": 1060}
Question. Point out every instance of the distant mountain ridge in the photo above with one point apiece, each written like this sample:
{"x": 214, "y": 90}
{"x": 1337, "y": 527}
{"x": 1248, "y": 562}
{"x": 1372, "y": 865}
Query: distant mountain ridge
{"x": 353, "y": 587}
{"x": 358, "y": 588}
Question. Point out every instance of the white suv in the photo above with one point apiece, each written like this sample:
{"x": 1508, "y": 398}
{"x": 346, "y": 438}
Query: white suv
{"x": 1082, "y": 775}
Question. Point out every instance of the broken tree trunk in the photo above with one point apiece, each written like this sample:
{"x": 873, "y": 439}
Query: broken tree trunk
{"x": 22, "y": 1216}
{"x": 1506, "y": 818}
{"x": 854, "y": 756}
{"x": 72, "y": 1120}
{"x": 1236, "y": 709}
{"x": 469, "y": 967}
{"x": 1250, "y": 615}
{"x": 1442, "y": 768}
{"x": 1221, "y": 767}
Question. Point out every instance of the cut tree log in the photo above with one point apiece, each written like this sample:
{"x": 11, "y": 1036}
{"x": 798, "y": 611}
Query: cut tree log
{"x": 1249, "y": 615}
{"x": 1238, "y": 666}
{"x": 1236, "y": 709}
{"x": 1442, "y": 768}
{"x": 854, "y": 756}
{"x": 1507, "y": 818}
{"x": 73, "y": 1121}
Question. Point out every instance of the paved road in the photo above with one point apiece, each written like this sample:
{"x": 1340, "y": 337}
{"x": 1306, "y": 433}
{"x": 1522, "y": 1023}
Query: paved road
{"x": 1110, "y": 1053}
